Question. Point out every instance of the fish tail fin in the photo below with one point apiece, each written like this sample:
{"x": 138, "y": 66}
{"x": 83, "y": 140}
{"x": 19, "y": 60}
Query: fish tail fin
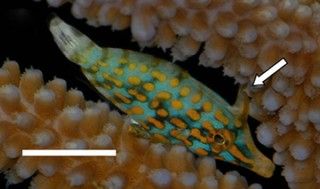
{"x": 73, "y": 44}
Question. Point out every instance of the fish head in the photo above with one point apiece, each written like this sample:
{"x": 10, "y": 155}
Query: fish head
{"x": 236, "y": 146}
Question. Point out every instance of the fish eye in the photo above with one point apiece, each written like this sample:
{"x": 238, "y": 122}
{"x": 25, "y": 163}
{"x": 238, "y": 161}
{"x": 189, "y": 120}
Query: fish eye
{"x": 219, "y": 139}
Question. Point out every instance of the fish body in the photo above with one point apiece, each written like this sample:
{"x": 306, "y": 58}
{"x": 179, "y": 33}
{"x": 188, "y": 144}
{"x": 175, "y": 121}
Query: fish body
{"x": 165, "y": 102}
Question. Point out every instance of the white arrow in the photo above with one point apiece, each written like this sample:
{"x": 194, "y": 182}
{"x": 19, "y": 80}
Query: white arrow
{"x": 259, "y": 80}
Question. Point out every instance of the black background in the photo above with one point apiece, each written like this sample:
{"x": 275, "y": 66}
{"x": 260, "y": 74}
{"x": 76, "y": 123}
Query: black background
{"x": 24, "y": 37}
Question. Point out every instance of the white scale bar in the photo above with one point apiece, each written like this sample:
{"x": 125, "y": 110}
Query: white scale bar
{"x": 69, "y": 152}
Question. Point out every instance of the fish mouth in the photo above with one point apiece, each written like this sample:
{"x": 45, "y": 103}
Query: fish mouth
{"x": 262, "y": 165}
{"x": 256, "y": 162}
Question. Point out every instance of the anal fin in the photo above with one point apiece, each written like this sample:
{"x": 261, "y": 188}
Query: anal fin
{"x": 241, "y": 106}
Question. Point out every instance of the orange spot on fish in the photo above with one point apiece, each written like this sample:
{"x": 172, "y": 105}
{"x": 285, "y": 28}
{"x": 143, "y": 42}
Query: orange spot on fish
{"x": 184, "y": 91}
{"x": 158, "y": 75}
{"x": 160, "y": 138}
{"x": 221, "y": 117}
{"x": 134, "y": 80}
{"x": 164, "y": 95}
{"x": 148, "y": 86}
{"x": 158, "y": 124}
{"x": 124, "y": 99}
{"x": 176, "y": 104}
{"x": 207, "y": 125}
{"x": 178, "y": 123}
{"x": 137, "y": 110}
{"x": 197, "y": 134}
{"x": 154, "y": 103}
{"x": 174, "y": 82}
{"x": 116, "y": 82}
{"x": 178, "y": 135}
{"x": 201, "y": 152}
{"x": 193, "y": 114}
{"x": 207, "y": 106}
{"x": 143, "y": 68}
{"x": 162, "y": 112}
{"x": 196, "y": 98}
{"x": 118, "y": 71}
{"x": 132, "y": 66}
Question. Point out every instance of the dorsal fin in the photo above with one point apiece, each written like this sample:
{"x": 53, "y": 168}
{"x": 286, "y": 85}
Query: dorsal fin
{"x": 241, "y": 106}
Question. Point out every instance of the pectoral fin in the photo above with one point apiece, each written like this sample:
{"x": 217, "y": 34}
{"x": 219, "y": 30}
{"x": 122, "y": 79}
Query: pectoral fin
{"x": 138, "y": 129}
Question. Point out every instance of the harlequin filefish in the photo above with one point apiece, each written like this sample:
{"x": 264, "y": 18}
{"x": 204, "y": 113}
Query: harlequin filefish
{"x": 165, "y": 103}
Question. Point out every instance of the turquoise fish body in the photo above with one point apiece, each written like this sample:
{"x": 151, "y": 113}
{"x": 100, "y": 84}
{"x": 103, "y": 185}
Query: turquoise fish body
{"x": 165, "y": 102}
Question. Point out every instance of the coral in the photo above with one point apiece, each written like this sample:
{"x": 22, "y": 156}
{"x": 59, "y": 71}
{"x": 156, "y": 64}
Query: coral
{"x": 36, "y": 115}
{"x": 245, "y": 38}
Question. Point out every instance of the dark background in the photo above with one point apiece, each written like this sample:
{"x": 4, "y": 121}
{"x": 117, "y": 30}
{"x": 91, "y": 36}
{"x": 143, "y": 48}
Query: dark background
{"x": 24, "y": 37}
